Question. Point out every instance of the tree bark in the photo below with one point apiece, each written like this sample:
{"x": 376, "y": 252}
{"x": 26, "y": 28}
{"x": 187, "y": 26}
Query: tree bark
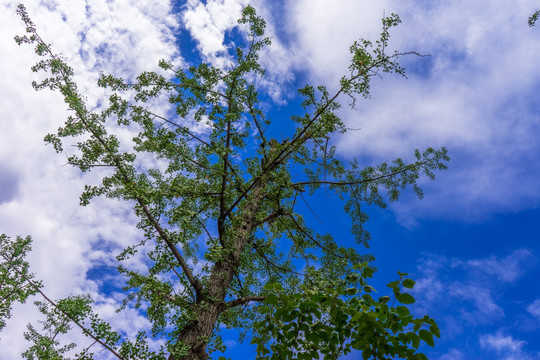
{"x": 208, "y": 309}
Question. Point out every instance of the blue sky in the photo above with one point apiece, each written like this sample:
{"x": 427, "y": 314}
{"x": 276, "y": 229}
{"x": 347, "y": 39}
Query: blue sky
{"x": 472, "y": 243}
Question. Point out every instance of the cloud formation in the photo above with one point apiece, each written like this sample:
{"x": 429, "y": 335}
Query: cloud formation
{"x": 534, "y": 308}
{"x": 476, "y": 94}
{"x": 505, "y": 346}
{"x": 470, "y": 296}
{"x": 39, "y": 193}
{"x": 507, "y": 269}
{"x": 209, "y": 24}
{"x": 500, "y": 342}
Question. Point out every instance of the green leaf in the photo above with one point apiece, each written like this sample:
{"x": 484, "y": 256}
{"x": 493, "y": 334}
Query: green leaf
{"x": 405, "y": 298}
{"x": 357, "y": 316}
{"x": 369, "y": 288}
{"x": 435, "y": 330}
{"x": 426, "y": 337}
{"x": 402, "y": 311}
{"x": 271, "y": 299}
{"x": 366, "y": 354}
{"x": 351, "y": 291}
{"x": 409, "y": 283}
{"x": 415, "y": 342}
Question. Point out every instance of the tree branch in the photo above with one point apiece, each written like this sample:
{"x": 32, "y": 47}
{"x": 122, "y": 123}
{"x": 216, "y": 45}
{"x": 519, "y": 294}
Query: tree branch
{"x": 181, "y": 86}
{"x": 346, "y": 183}
{"x": 243, "y": 300}
{"x": 79, "y": 111}
{"x": 82, "y": 327}
{"x": 287, "y": 150}
{"x": 299, "y": 227}
{"x": 194, "y": 282}
{"x": 276, "y": 266}
{"x": 175, "y": 124}
{"x": 224, "y": 178}
{"x": 271, "y": 217}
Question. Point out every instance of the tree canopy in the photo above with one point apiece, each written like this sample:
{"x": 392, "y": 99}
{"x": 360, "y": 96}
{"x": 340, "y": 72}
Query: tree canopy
{"x": 223, "y": 240}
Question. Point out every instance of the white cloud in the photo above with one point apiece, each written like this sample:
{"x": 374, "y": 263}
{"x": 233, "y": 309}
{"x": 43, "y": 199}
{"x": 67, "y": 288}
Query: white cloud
{"x": 500, "y": 343}
{"x": 326, "y": 29}
{"x": 534, "y": 308}
{"x": 476, "y": 95}
{"x": 486, "y": 308}
{"x": 469, "y": 290}
{"x": 507, "y": 269}
{"x": 121, "y": 37}
{"x": 208, "y": 23}
{"x": 453, "y": 354}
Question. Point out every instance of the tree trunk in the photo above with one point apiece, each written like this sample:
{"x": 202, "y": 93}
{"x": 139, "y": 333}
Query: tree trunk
{"x": 196, "y": 335}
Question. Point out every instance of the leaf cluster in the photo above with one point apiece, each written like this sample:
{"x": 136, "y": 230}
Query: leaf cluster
{"x": 328, "y": 322}
{"x": 16, "y": 283}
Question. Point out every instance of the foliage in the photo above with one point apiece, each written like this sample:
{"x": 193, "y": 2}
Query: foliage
{"x": 76, "y": 310}
{"x": 16, "y": 282}
{"x": 534, "y": 18}
{"x": 225, "y": 202}
{"x": 331, "y": 321}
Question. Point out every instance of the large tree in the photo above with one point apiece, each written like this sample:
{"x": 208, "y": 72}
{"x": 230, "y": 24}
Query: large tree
{"x": 223, "y": 241}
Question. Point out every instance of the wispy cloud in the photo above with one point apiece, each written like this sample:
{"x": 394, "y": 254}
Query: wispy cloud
{"x": 507, "y": 269}
{"x": 451, "y": 279}
{"x": 453, "y": 354}
{"x": 500, "y": 342}
{"x": 475, "y": 94}
{"x": 468, "y": 296}
{"x": 534, "y": 308}
{"x": 505, "y": 346}
{"x": 485, "y": 308}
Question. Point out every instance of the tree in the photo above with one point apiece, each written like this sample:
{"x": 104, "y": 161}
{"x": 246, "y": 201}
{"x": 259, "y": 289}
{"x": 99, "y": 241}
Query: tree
{"x": 227, "y": 201}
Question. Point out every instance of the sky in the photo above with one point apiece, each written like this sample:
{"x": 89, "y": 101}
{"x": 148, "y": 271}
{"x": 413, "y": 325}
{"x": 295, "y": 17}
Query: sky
{"x": 471, "y": 244}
